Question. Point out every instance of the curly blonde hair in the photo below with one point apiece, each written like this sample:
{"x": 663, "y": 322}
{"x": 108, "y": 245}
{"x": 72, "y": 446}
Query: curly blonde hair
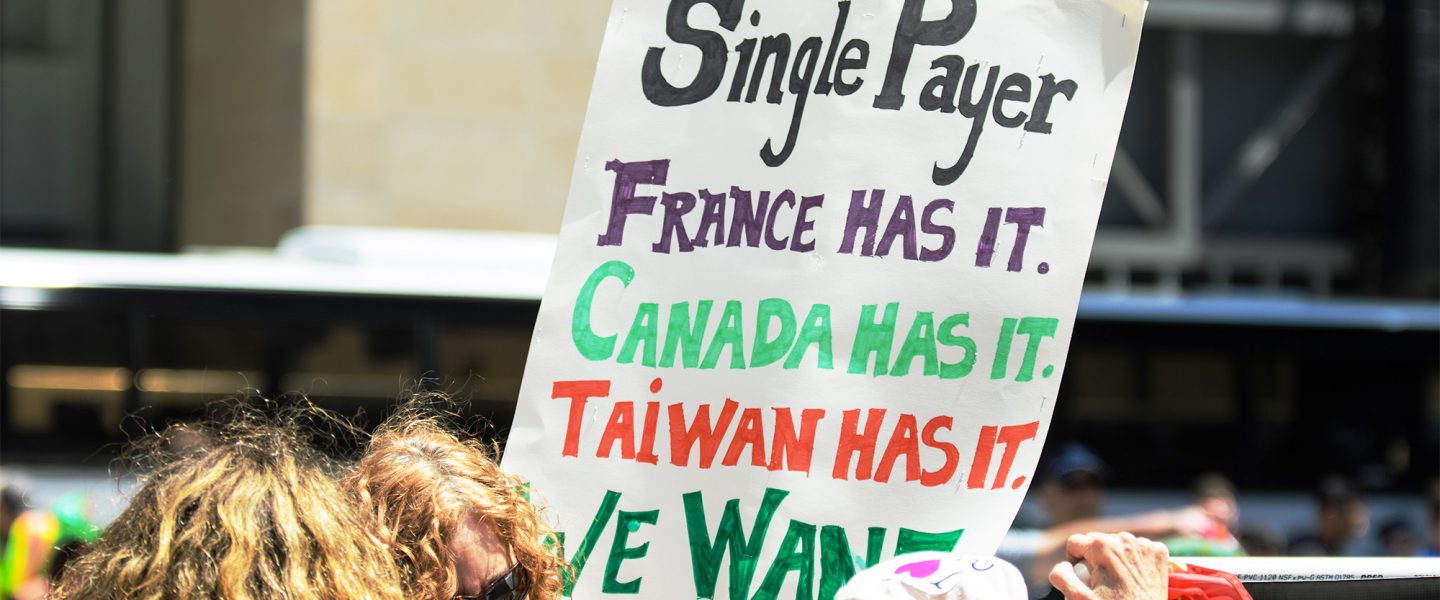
{"x": 421, "y": 480}
{"x": 243, "y": 509}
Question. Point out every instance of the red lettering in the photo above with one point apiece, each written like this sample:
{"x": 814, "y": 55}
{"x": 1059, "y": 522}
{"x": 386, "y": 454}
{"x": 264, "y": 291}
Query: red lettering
{"x": 794, "y": 450}
{"x": 1012, "y": 436}
{"x": 682, "y": 439}
{"x": 952, "y": 454}
{"x": 647, "y": 435}
{"x": 750, "y": 431}
{"x": 579, "y": 392}
{"x": 852, "y": 441}
{"x": 620, "y": 428}
{"x": 903, "y": 442}
{"x": 980, "y": 466}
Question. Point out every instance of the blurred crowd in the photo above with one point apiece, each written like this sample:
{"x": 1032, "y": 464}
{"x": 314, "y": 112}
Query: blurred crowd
{"x": 1071, "y": 489}
{"x": 437, "y": 505}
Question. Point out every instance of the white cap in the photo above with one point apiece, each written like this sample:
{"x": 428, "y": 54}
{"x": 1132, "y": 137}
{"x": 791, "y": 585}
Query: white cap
{"x": 932, "y": 575}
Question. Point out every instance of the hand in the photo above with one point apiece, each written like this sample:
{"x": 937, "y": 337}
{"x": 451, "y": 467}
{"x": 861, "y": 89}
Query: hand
{"x": 1195, "y": 521}
{"x": 1122, "y": 567}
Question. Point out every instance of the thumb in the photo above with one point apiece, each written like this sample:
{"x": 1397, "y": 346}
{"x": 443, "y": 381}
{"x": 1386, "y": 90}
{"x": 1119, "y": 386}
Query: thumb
{"x": 1064, "y": 578}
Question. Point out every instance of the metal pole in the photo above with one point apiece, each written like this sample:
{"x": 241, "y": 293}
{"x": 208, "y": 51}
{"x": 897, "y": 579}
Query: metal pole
{"x": 1185, "y": 141}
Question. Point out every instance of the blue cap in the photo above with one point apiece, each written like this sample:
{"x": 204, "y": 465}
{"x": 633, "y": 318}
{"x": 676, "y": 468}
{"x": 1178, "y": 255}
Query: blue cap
{"x": 1074, "y": 458}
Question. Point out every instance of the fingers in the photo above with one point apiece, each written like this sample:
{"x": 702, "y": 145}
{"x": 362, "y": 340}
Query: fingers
{"x": 1065, "y": 579}
{"x": 1100, "y": 549}
{"x": 1121, "y": 566}
{"x": 1104, "y": 550}
{"x": 1078, "y": 545}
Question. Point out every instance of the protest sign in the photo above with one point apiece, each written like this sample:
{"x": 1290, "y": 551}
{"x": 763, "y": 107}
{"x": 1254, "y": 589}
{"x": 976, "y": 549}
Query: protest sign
{"x": 815, "y": 284}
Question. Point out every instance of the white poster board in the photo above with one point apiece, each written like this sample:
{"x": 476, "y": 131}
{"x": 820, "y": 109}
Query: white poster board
{"x": 815, "y": 284}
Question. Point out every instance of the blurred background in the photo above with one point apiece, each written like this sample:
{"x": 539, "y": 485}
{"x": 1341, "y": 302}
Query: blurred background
{"x": 353, "y": 198}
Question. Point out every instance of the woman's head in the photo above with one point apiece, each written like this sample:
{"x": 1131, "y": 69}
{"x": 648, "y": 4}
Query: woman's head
{"x": 457, "y": 523}
{"x": 252, "y": 511}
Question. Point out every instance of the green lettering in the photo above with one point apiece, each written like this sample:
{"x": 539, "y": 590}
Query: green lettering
{"x": 919, "y": 342}
{"x": 1002, "y": 349}
{"x": 797, "y": 553}
{"x": 728, "y": 334}
{"x": 920, "y": 541}
{"x": 874, "y": 338}
{"x": 874, "y": 545}
{"x": 644, "y": 329}
{"x": 948, "y": 338}
{"x": 816, "y": 332}
{"x": 587, "y": 544}
{"x": 705, "y": 555}
{"x": 766, "y": 350}
{"x": 680, "y": 334}
{"x": 1037, "y": 328}
{"x": 620, "y": 551}
{"x": 837, "y": 562}
{"x": 590, "y": 345}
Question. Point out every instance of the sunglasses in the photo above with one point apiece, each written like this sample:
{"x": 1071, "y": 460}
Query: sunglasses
{"x": 509, "y": 586}
{"x": 1080, "y": 481}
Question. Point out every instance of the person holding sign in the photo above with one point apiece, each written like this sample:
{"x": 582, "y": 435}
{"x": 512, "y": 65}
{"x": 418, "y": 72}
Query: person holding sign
{"x": 245, "y": 508}
{"x": 457, "y": 524}
{"x": 815, "y": 284}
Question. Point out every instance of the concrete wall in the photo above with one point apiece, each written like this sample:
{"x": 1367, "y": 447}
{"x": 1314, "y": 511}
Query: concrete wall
{"x": 242, "y": 128}
{"x": 446, "y": 113}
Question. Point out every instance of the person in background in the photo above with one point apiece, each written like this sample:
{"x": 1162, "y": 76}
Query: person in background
{"x": 456, "y": 523}
{"x": 1215, "y": 495}
{"x": 1397, "y": 538}
{"x": 1072, "y": 485}
{"x": 10, "y": 507}
{"x": 253, "y": 512}
{"x": 33, "y": 536}
{"x": 1071, "y": 489}
{"x": 1261, "y": 539}
{"x": 1341, "y": 520}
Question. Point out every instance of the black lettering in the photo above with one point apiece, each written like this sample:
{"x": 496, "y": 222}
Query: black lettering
{"x": 1038, "y": 122}
{"x": 742, "y": 69}
{"x": 777, "y": 46}
{"x": 660, "y": 91}
{"x": 800, "y": 77}
{"x": 976, "y": 110}
{"x": 847, "y": 62}
{"x": 911, "y": 31}
{"x": 1015, "y": 87}
{"x": 939, "y": 92}
{"x": 822, "y": 86}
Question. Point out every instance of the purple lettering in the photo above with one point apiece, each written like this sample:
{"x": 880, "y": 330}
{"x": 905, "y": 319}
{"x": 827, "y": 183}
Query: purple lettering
{"x": 804, "y": 223}
{"x": 711, "y": 218}
{"x": 623, "y": 201}
{"x": 864, "y": 215}
{"x": 785, "y": 197}
{"x": 930, "y": 227}
{"x": 1023, "y": 218}
{"x": 747, "y": 220}
{"x": 676, "y": 205}
{"x": 986, "y": 249}
{"x": 901, "y": 225}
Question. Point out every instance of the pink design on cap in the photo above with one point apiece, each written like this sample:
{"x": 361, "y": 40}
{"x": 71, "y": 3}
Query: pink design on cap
{"x": 919, "y": 570}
